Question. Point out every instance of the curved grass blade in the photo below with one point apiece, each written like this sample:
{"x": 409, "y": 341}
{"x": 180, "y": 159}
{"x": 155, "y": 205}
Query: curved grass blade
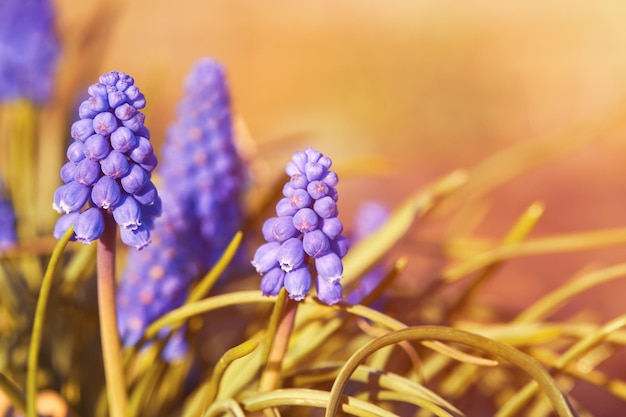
{"x": 500, "y": 350}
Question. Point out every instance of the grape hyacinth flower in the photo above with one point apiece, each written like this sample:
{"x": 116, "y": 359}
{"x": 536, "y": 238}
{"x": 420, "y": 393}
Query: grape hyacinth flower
{"x": 28, "y": 49}
{"x": 8, "y": 236}
{"x": 201, "y": 186}
{"x": 109, "y": 166}
{"x": 306, "y": 232}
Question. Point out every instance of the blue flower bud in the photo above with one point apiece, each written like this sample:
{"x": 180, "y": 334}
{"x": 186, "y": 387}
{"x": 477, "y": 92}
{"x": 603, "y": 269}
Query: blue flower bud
{"x": 123, "y": 139}
{"x": 291, "y": 254}
{"x": 127, "y": 213}
{"x": 98, "y": 91}
{"x": 151, "y": 162}
{"x": 125, "y": 111}
{"x": 340, "y": 245}
{"x": 314, "y": 171}
{"x": 317, "y": 189}
{"x": 106, "y": 192}
{"x": 332, "y": 227}
{"x": 272, "y": 281}
{"x": 315, "y": 243}
{"x": 142, "y": 151}
{"x": 75, "y": 152}
{"x": 115, "y": 165}
{"x": 109, "y": 79}
{"x": 89, "y": 225}
{"x": 70, "y": 197}
{"x": 329, "y": 266}
{"x": 146, "y": 195}
{"x": 298, "y": 283}
{"x": 104, "y": 123}
{"x": 82, "y": 129}
{"x": 325, "y": 207}
{"x": 63, "y": 223}
{"x": 327, "y": 291}
{"x": 87, "y": 172}
{"x": 96, "y": 147}
{"x": 285, "y": 208}
{"x": 133, "y": 93}
{"x": 67, "y": 171}
{"x": 299, "y": 199}
{"x": 116, "y": 98}
{"x": 266, "y": 257}
{"x": 135, "y": 179}
{"x": 135, "y": 122}
{"x": 331, "y": 179}
{"x": 299, "y": 159}
{"x": 278, "y": 229}
{"x": 298, "y": 181}
{"x": 137, "y": 238}
{"x": 305, "y": 220}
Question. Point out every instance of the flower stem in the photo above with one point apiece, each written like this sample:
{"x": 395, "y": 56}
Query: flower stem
{"x": 114, "y": 375}
{"x": 40, "y": 313}
{"x": 271, "y": 373}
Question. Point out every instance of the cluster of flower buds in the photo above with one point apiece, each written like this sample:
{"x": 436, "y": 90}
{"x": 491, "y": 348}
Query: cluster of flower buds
{"x": 201, "y": 184}
{"x": 306, "y": 232}
{"x": 110, "y": 163}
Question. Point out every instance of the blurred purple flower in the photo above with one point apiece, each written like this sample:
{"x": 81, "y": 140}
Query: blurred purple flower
{"x": 101, "y": 177}
{"x": 28, "y": 49}
{"x": 369, "y": 218}
{"x": 305, "y": 233}
{"x": 8, "y": 236}
{"x": 201, "y": 187}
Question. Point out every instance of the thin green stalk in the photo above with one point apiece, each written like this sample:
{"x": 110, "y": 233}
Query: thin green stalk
{"x": 113, "y": 372}
{"x": 40, "y": 312}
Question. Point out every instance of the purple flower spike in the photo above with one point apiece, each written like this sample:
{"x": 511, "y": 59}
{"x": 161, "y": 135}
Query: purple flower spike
{"x": 100, "y": 167}
{"x": 307, "y": 233}
{"x": 29, "y": 49}
{"x": 201, "y": 184}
